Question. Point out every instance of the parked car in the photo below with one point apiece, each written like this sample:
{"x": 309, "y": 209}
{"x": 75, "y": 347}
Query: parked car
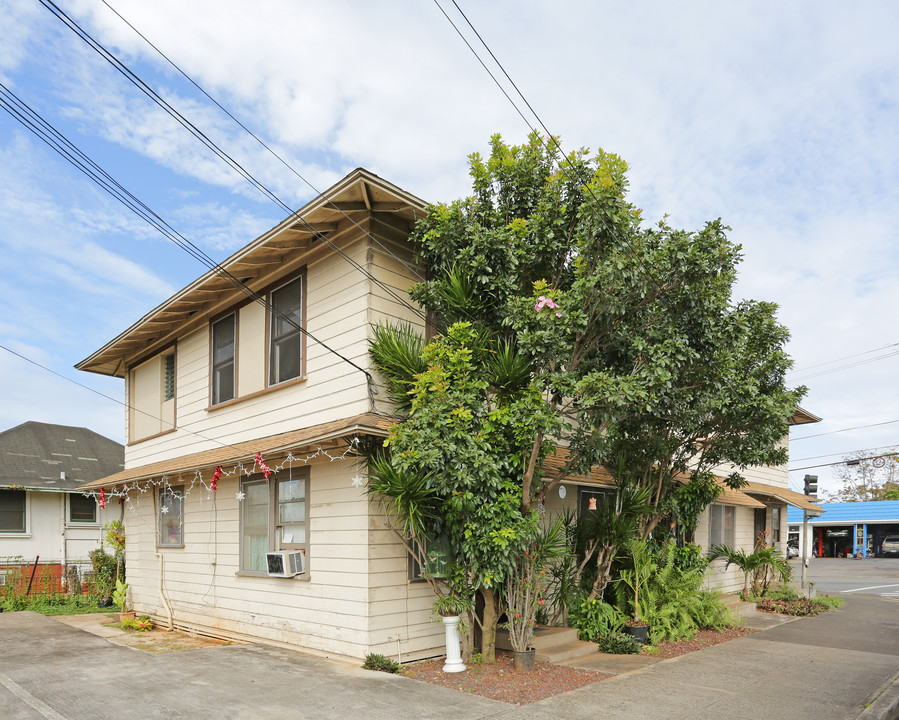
{"x": 890, "y": 547}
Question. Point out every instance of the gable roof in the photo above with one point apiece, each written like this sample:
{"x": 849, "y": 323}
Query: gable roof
{"x": 60, "y": 458}
{"x": 361, "y": 200}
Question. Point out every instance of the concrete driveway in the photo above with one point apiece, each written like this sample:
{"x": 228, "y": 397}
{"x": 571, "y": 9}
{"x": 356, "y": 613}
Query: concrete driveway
{"x": 830, "y": 667}
{"x": 51, "y": 671}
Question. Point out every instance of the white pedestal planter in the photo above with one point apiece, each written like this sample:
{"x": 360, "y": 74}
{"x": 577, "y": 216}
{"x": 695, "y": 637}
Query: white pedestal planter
{"x": 453, "y": 653}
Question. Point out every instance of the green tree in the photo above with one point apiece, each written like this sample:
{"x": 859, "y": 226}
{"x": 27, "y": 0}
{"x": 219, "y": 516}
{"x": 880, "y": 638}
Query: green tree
{"x": 563, "y": 318}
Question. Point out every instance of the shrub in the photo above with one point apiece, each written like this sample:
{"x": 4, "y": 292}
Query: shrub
{"x": 595, "y": 619}
{"x": 619, "y": 644}
{"x": 801, "y": 607}
{"x": 673, "y": 602}
{"x": 374, "y": 661}
{"x": 142, "y": 624}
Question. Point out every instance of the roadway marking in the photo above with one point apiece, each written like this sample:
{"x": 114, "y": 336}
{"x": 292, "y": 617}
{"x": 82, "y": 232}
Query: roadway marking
{"x": 29, "y": 699}
{"x": 873, "y": 587}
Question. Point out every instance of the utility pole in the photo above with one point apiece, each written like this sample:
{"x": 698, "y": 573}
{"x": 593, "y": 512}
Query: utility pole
{"x": 811, "y": 489}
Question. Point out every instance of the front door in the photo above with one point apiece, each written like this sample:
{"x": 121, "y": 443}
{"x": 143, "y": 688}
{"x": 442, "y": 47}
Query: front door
{"x": 759, "y": 529}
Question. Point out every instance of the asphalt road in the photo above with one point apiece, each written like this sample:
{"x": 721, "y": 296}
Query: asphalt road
{"x": 874, "y": 576}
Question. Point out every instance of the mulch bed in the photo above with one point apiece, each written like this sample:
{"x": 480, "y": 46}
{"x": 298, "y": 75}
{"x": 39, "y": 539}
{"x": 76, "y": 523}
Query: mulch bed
{"x": 703, "y": 639}
{"x": 501, "y": 682}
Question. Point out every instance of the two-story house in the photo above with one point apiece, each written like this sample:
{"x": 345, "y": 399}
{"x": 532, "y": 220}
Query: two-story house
{"x": 246, "y": 509}
{"x": 243, "y": 413}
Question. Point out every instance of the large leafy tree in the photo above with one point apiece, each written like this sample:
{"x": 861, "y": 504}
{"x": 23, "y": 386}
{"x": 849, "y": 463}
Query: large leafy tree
{"x": 563, "y": 318}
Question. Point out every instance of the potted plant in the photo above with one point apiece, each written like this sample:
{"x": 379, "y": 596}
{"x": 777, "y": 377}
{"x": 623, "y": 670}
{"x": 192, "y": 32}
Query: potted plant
{"x": 120, "y": 598}
{"x": 451, "y": 607}
{"x": 525, "y": 586}
{"x": 635, "y": 579}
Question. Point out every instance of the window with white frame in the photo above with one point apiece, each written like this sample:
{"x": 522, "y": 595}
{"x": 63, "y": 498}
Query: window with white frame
{"x": 274, "y": 516}
{"x": 722, "y": 521}
{"x": 12, "y": 511}
{"x": 224, "y": 333}
{"x": 170, "y": 517}
{"x": 775, "y": 524}
{"x": 82, "y": 508}
{"x": 285, "y": 336}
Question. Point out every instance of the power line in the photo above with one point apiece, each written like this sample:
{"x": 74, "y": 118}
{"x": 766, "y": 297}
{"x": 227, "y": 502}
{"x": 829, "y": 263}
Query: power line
{"x": 894, "y": 353}
{"x": 104, "y": 395}
{"x": 253, "y": 135}
{"x": 842, "y": 462}
{"x": 847, "y": 452}
{"x": 833, "y": 432}
{"x": 848, "y": 357}
{"x": 212, "y": 146}
{"x": 33, "y": 121}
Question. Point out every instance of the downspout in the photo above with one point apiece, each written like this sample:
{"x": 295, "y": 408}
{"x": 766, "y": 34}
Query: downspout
{"x": 162, "y": 592}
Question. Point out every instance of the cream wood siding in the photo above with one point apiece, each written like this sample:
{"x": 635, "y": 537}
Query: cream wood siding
{"x": 390, "y": 264}
{"x": 337, "y": 312}
{"x": 778, "y": 476}
{"x": 356, "y": 598}
{"x": 251, "y": 349}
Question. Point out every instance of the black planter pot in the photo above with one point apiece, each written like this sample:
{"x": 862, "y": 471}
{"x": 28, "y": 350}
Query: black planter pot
{"x": 638, "y": 632}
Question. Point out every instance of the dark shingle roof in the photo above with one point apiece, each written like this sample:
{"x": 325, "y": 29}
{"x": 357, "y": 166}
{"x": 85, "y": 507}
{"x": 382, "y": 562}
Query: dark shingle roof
{"x": 34, "y": 454}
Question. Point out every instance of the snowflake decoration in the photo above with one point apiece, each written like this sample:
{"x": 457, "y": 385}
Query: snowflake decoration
{"x": 240, "y": 496}
{"x": 164, "y": 509}
{"x": 358, "y": 481}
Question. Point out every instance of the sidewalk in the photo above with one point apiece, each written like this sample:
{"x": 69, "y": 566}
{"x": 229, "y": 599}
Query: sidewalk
{"x": 828, "y": 667}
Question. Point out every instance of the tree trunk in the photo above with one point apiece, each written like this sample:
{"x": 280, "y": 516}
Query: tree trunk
{"x": 488, "y": 628}
{"x": 603, "y": 571}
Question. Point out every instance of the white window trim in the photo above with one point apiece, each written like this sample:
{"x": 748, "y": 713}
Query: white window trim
{"x": 26, "y": 533}
{"x": 178, "y": 492}
{"x": 273, "y": 534}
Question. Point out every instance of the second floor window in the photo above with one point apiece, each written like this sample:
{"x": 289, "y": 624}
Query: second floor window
{"x": 286, "y": 340}
{"x": 223, "y": 336}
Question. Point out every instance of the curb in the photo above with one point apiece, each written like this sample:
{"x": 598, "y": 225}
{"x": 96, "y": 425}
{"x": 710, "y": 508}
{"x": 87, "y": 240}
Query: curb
{"x": 886, "y": 703}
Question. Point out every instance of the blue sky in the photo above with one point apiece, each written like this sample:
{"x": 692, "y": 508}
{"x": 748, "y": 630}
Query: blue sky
{"x": 778, "y": 117}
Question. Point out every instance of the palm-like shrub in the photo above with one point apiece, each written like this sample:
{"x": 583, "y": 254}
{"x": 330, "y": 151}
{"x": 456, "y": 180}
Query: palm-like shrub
{"x": 763, "y": 566}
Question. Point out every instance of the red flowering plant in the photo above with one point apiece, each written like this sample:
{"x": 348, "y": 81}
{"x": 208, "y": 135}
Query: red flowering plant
{"x": 526, "y": 584}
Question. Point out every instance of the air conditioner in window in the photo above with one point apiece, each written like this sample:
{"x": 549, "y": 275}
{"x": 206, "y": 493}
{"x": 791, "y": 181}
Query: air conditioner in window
{"x": 285, "y": 563}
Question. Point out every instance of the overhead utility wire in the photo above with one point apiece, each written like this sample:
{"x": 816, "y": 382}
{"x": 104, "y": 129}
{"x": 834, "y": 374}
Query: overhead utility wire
{"x": 221, "y": 154}
{"x": 894, "y": 353}
{"x": 58, "y": 142}
{"x": 253, "y": 135}
{"x": 104, "y": 395}
{"x": 842, "y": 462}
{"x": 848, "y": 357}
{"x": 879, "y": 449}
{"x": 833, "y": 432}
{"x": 551, "y": 141}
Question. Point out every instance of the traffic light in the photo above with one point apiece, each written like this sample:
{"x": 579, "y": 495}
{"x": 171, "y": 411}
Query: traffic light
{"x": 811, "y": 485}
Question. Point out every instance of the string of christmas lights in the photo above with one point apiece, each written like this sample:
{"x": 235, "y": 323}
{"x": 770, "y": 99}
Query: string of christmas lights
{"x": 168, "y": 483}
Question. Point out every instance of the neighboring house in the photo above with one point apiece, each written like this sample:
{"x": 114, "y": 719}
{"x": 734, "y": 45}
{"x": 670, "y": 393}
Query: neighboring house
{"x": 848, "y": 529}
{"x": 246, "y": 510}
{"x": 43, "y": 514}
